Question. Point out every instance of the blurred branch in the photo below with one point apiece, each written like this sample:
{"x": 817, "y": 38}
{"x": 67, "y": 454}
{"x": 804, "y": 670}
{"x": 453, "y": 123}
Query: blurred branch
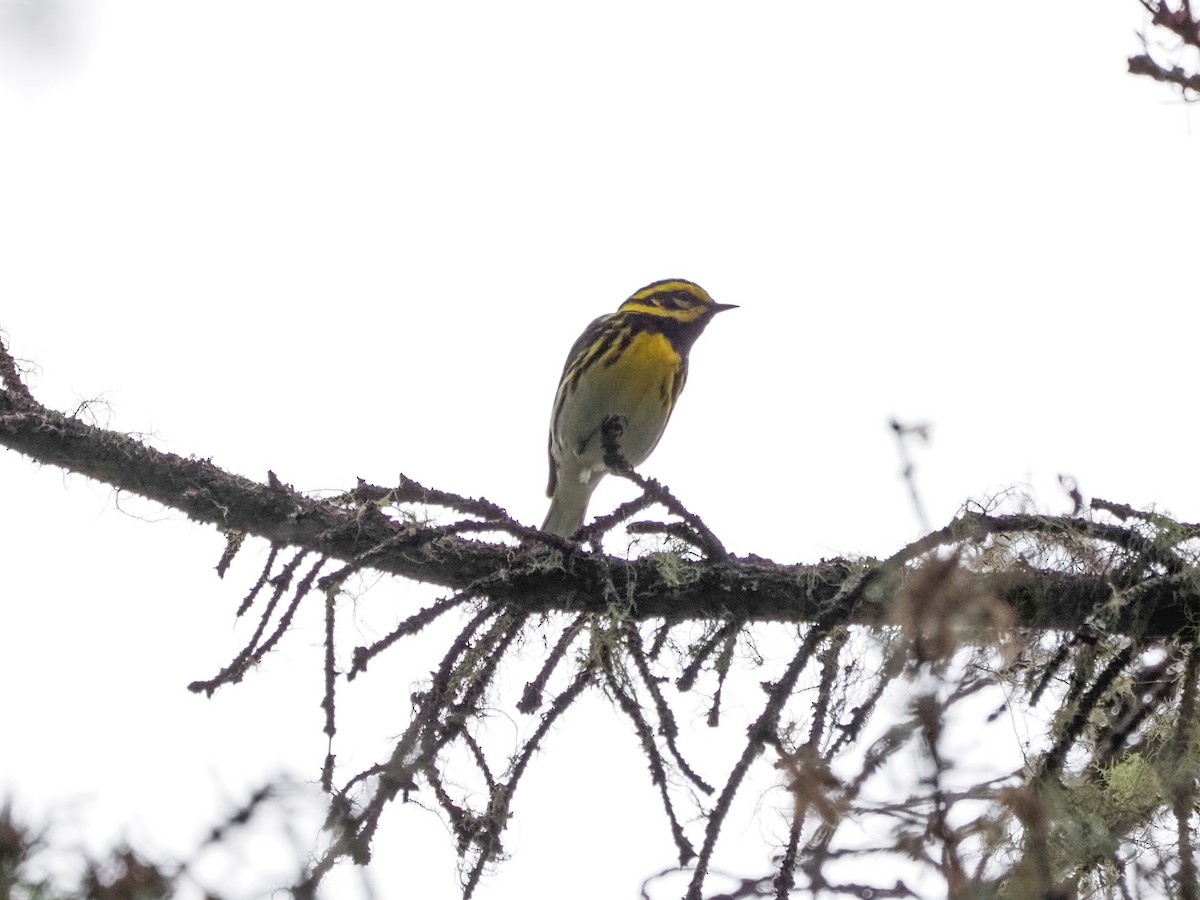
{"x": 1178, "y": 20}
{"x": 903, "y": 433}
{"x": 33, "y": 861}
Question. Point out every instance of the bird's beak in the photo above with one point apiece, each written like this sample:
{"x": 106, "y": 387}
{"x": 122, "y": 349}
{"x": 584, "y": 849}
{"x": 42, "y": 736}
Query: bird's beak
{"x": 721, "y": 307}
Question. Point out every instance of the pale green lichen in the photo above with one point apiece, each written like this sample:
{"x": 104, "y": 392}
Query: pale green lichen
{"x": 674, "y": 570}
{"x": 1132, "y": 783}
{"x": 542, "y": 562}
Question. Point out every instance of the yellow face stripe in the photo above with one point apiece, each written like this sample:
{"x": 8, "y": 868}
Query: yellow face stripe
{"x": 672, "y": 286}
{"x": 674, "y": 298}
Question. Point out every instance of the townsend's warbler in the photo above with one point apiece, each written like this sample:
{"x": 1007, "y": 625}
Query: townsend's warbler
{"x": 629, "y": 366}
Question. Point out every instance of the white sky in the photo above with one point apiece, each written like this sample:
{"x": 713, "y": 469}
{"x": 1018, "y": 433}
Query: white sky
{"x": 357, "y": 239}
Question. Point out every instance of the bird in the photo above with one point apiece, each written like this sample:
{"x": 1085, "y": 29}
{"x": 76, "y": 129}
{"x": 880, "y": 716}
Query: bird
{"x": 627, "y": 368}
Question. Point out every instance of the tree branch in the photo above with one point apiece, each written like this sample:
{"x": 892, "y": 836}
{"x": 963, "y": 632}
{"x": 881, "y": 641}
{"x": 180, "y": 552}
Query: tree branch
{"x": 548, "y": 574}
{"x": 1108, "y": 579}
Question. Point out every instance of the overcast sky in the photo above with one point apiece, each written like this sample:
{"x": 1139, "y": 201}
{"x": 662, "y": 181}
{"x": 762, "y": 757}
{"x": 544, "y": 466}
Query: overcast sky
{"x": 358, "y": 239}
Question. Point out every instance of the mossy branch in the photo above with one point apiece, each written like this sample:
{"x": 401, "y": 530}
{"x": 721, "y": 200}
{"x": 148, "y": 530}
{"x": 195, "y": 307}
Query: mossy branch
{"x": 355, "y": 529}
{"x": 1098, "y": 594}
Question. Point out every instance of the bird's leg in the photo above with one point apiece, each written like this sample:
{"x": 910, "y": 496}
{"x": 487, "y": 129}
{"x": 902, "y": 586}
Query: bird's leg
{"x": 611, "y": 430}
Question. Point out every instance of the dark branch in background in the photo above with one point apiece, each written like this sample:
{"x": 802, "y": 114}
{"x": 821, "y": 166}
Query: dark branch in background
{"x": 903, "y": 433}
{"x": 667, "y": 725}
{"x": 1182, "y": 788}
{"x": 1085, "y": 707}
{"x": 761, "y": 733}
{"x": 658, "y": 767}
{"x": 531, "y": 698}
{"x": 1176, "y": 26}
{"x": 34, "y": 867}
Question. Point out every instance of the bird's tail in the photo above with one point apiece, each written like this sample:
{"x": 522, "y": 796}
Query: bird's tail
{"x": 568, "y": 506}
